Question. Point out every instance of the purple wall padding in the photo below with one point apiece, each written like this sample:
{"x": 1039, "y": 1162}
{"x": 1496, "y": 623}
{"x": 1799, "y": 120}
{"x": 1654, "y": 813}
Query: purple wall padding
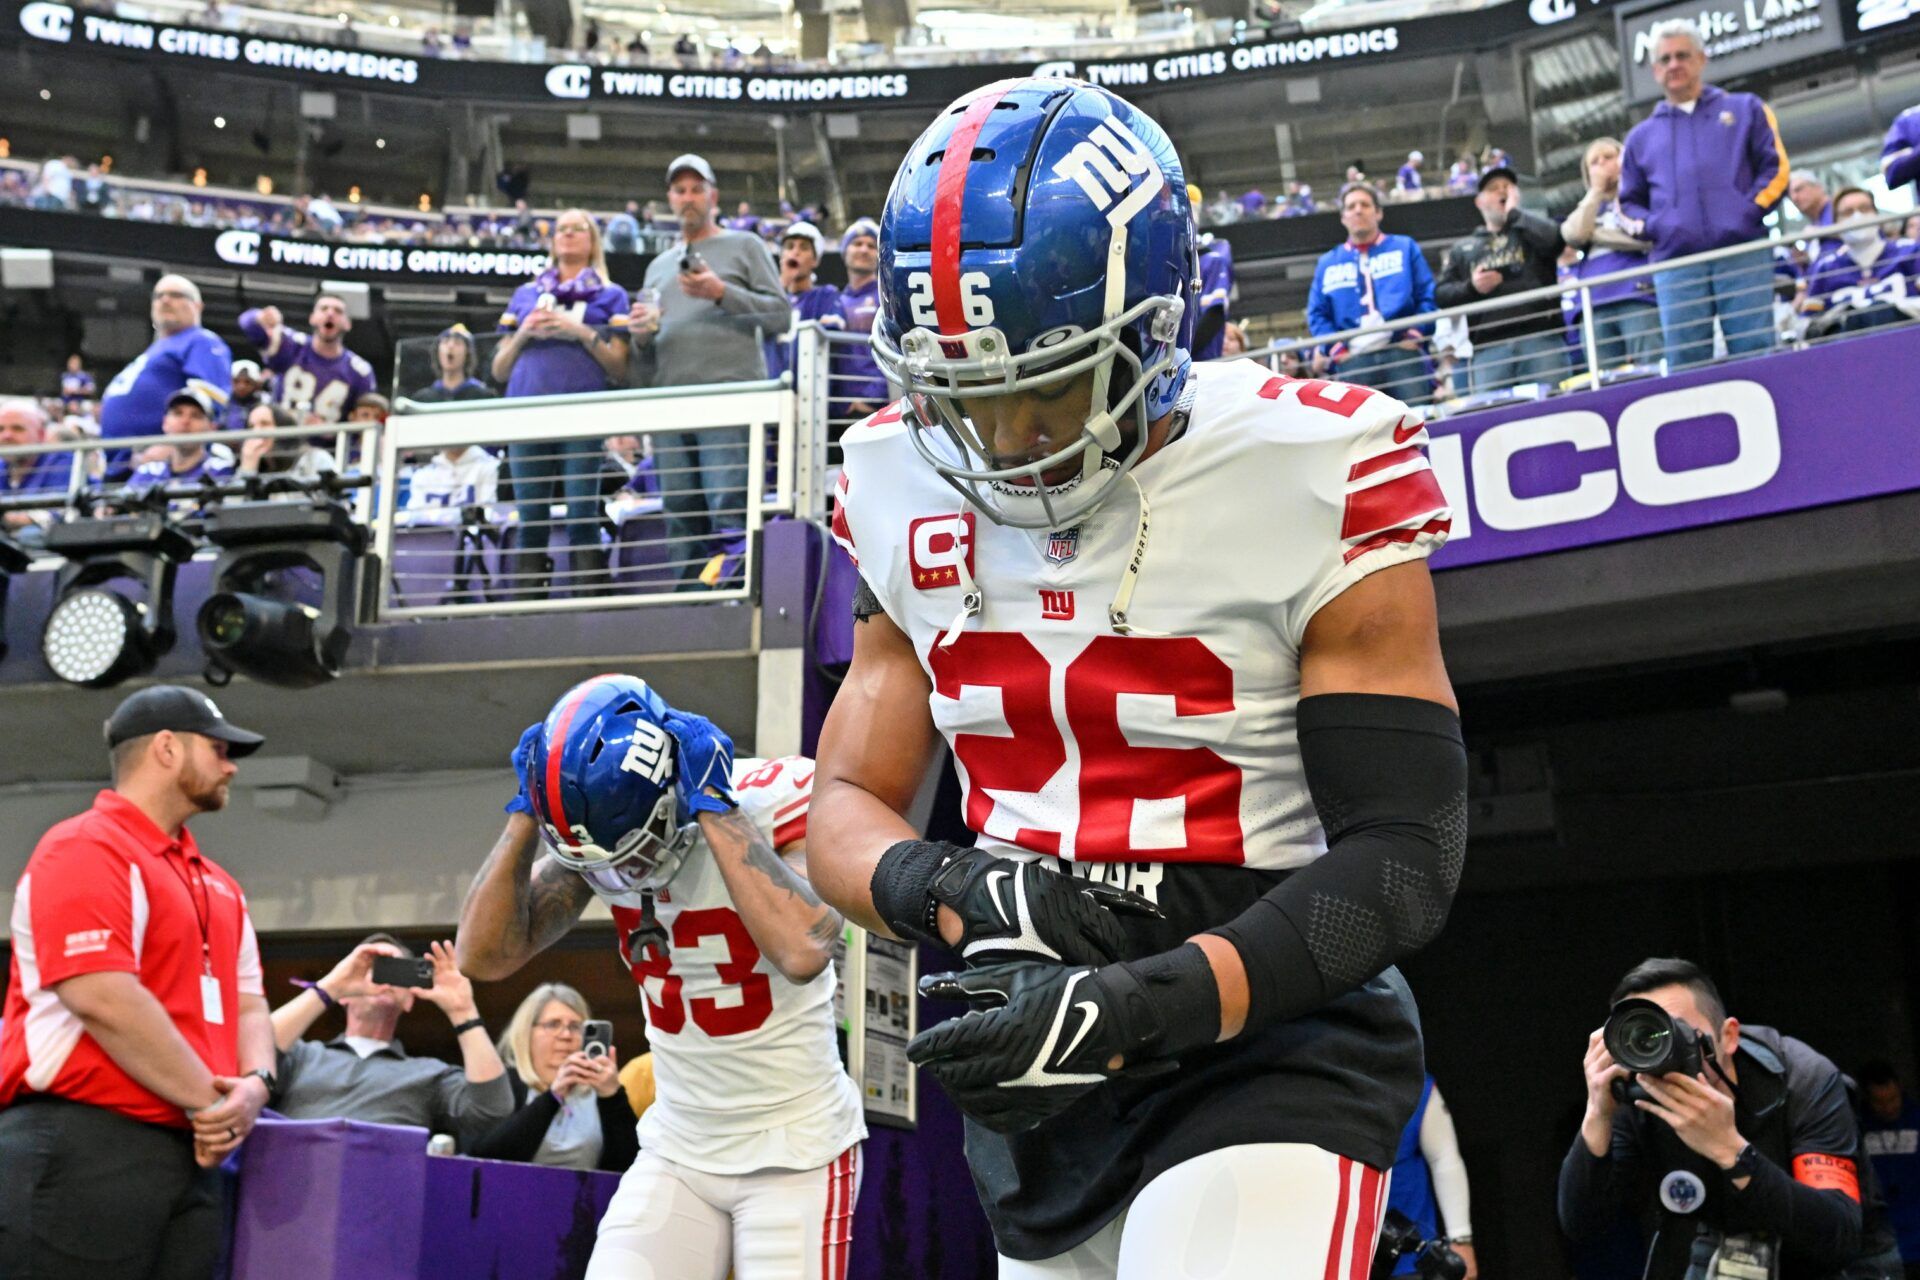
{"x": 492, "y": 1218}
{"x": 330, "y": 1200}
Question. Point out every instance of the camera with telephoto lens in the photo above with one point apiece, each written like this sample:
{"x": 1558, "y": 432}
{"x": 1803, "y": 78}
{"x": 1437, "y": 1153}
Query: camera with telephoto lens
{"x": 1433, "y": 1260}
{"x": 1647, "y": 1040}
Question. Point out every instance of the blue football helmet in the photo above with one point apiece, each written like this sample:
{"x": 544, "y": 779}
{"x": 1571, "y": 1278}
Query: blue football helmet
{"x": 601, "y": 784}
{"x": 1038, "y": 230}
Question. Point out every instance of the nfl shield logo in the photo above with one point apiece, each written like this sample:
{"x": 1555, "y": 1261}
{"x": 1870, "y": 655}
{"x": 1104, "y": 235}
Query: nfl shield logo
{"x": 1063, "y": 545}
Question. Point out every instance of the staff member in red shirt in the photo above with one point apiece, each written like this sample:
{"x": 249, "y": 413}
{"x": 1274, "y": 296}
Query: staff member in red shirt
{"x": 136, "y": 1051}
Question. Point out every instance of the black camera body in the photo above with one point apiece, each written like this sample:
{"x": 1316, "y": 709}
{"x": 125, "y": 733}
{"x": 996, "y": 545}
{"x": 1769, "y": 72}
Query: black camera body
{"x": 1647, "y": 1040}
{"x": 1399, "y": 1236}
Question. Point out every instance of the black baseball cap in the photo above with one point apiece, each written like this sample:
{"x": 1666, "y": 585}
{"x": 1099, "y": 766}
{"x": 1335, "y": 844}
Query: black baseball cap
{"x": 1497, "y": 171}
{"x": 182, "y": 710}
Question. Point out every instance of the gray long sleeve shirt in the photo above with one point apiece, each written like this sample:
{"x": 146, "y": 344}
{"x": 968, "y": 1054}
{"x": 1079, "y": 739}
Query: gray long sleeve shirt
{"x": 331, "y": 1081}
{"x": 704, "y": 341}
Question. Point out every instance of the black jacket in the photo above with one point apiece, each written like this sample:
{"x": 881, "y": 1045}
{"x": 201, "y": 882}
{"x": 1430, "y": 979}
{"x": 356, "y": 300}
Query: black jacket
{"x": 518, "y": 1137}
{"x": 1526, "y": 252}
{"x": 1792, "y": 1103}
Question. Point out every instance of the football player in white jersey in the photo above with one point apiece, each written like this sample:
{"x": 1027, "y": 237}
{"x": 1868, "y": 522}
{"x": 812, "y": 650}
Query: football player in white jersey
{"x": 1176, "y": 626}
{"x": 750, "y": 1154}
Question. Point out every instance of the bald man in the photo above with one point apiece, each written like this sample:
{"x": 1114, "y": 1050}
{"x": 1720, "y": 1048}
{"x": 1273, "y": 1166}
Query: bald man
{"x": 21, "y": 423}
{"x": 183, "y": 357}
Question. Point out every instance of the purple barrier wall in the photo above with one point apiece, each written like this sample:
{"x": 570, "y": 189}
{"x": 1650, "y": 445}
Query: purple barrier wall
{"x": 491, "y": 1218}
{"x": 1747, "y": 438}
{"x": 330, "y": 1200}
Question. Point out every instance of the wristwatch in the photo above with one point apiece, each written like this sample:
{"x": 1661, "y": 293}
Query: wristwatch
{"x": 267, "y": 1078}
{"x": 1746, "y": 1164}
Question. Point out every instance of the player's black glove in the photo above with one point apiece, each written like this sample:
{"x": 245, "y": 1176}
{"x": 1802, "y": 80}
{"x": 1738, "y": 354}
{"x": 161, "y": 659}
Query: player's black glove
{"x": 1041, "y": 1035}
{"x": 1008, "y": 910}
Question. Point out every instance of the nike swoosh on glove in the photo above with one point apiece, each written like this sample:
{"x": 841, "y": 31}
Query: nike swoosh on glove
{"x": 1040, "y": 1036}
{"x": 705, "y": 760}
{"x": 1013, "y": 910}
{"x": 522, "y": 754}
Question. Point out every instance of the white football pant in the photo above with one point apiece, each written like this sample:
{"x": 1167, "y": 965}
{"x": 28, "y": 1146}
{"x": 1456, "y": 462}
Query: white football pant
{"x": 669, "y": 1222}
{"x": 1267, "y": 1211}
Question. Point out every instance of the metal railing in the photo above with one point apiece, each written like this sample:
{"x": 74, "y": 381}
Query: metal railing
{"x": 657, "y": 495}
{"x": 180, "y": 471}
{"x": 1581, "y": 332}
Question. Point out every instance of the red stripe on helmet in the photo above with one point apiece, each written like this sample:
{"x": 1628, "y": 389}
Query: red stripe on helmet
{"x": 948, "y": 194}
{"x": 556, "y": 746}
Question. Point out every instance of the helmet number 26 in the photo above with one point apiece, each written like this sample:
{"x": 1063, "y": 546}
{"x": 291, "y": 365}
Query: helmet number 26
{"x": 976, "y": 308}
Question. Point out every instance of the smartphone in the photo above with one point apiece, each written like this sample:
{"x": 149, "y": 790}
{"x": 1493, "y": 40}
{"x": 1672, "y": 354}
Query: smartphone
{"x": 692, "y": 262}
{"x": 403, "y": 971}
{"x": 596, "y": 1038}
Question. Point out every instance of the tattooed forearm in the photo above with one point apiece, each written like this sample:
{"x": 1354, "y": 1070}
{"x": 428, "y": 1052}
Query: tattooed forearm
{"x": 518, "y": 905}
{"x": 786, "y": 917}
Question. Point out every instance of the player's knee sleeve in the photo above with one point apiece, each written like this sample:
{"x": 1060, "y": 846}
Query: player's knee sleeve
{"x": 1388, "y": 776}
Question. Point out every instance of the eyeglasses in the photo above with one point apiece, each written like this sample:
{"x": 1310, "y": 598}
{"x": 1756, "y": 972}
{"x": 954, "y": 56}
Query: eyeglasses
{"x": 560, "y": 1026}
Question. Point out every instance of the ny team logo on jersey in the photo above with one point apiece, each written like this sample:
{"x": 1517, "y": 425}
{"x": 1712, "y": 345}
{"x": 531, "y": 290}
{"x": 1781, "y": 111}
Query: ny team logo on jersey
{"x": 650, "y": 756}
{"x": 937, "y": 547}
{"x": 1106, "y": 165}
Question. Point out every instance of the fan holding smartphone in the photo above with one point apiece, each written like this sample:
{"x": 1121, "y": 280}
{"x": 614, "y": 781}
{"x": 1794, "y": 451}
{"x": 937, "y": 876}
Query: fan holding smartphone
{"x": 570, "y": 1110}
{"x": 366, "y": 1074}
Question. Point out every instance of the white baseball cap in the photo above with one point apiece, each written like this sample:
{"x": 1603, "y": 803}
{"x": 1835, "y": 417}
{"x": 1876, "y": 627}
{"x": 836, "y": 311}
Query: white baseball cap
{"x": 808, "y": 232}
{"x": 1415, "y": 155}
{"x": 696, "y": 163}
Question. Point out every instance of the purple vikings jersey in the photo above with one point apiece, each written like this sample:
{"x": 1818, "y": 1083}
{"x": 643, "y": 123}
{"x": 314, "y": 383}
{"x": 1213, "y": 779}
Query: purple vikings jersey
{"x": 856, "y": 376}
{"x": 822, "y": 303}
{"x": 304, "y": 380}
{"x": 1836, "y": 280}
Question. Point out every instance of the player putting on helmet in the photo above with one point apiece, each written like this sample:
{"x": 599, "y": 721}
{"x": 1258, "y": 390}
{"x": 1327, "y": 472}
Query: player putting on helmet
{"x": 750, "y": 1154}
{"x": 1175, "y": 624}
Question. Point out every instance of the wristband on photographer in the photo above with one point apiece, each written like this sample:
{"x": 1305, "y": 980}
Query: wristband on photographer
{"x": 471, "y": 1024}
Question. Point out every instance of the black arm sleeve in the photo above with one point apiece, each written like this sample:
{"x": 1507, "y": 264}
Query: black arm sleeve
{"x": 519, "y": 1136}
{"x": 1388, "y": 776}
{"x": 865, "y": 603}
{"x": 619, "y": 1136}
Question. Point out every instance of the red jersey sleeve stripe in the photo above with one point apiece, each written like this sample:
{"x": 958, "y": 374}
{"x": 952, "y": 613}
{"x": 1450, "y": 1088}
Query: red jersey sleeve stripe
{"x": 842, "y": 531}
{"x": 1381, "y": 461}
{"x": 1432, "y": 528}
{"x": 792, "y": 829}
{"x": 1398, "y": 503}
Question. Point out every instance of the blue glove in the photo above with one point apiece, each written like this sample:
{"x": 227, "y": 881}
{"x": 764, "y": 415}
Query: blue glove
{"x": 706, "y": 760}
{"x": 522, "y": 754}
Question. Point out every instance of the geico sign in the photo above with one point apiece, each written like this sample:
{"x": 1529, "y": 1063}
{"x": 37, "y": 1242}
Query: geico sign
{"x": 1637, "y": 470}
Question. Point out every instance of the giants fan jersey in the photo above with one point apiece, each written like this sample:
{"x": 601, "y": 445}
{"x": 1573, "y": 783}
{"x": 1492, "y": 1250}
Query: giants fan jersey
{"x": 1165, "y": 761}
{"x": 1175, "y": 744}
{"x": 746, "y": 1064}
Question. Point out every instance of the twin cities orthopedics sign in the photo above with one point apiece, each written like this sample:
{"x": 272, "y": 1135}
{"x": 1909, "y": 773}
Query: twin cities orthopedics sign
{"x": 62, "y": 24}
{"x": 43, "y": 23}
{"x": 253, "y": 249}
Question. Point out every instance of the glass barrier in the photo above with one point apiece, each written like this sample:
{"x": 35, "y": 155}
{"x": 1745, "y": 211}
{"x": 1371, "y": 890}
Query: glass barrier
{"x": 581, "y": 500}
{"x": 1594, "y": 328}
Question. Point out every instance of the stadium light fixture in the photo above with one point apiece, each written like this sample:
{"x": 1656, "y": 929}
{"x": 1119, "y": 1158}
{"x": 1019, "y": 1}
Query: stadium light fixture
{"x": 273, "y": 546}
{"x": 97, "y": 636}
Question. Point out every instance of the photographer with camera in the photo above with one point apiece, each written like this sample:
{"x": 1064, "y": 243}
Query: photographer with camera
{"x": 1735, "y": 1146}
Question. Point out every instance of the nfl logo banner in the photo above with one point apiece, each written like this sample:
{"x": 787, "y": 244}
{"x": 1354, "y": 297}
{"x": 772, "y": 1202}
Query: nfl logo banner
{"x": 1063, "y": 545}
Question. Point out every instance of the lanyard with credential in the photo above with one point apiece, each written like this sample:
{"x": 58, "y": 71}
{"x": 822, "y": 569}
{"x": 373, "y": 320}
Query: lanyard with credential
{"x": 195, "y": 884}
